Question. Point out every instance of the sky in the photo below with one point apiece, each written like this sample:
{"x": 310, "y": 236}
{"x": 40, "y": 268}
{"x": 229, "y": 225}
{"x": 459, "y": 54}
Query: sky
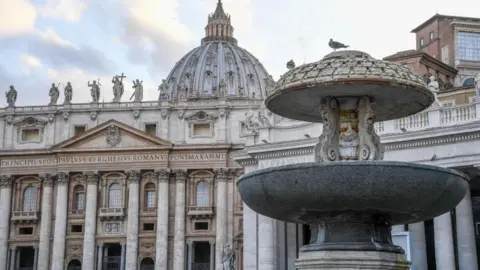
{"x": 59, "y": 41}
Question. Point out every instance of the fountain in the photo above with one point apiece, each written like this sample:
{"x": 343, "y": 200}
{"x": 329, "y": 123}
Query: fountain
{"x": 349, "y": 192}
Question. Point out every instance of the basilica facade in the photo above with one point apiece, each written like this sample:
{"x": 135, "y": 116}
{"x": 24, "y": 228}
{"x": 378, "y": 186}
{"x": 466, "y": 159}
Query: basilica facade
{"x": 134, "y": 185}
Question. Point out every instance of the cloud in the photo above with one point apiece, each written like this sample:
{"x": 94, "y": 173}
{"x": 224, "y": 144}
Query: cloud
{"x": 30, "y": 62}
{"x": 16, "y": 17}
{"x": 68, "y": 10}
{"x": 55, "y": 51}
{"x": 154, "y": 34}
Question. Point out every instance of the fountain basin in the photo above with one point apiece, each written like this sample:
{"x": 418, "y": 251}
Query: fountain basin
{"x": 403, "y": 192}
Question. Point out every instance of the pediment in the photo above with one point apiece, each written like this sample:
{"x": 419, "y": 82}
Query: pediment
{"x": 29, "y": 122}
{"x": 112, "y": 135}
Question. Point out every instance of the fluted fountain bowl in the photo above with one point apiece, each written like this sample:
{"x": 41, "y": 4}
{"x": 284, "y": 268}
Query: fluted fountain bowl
{"x": 397, "y": 91}
{"x": 405, "y": 192}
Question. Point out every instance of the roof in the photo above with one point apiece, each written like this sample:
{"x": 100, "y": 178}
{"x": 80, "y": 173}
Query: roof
{"x": 414, "y": 53}
{"x": 439, "y": 17}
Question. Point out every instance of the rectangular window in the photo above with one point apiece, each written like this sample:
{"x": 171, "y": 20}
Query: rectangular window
{"x": 201, "y": 130}
{"x": 151, "y": 129}
{"x": 79, "y": 130}
{"x": 79, "y": 201}
{"x": 148, "y": 227}
{"x": 77, "y": 229}
{"x": 30, "y": 135}
{"x": 445, "y": 55}
{"x": 150, "y": 199}
{"x": 25, "y": 231}
{"x": 468, "y": 46}
{"x": 201, "y": 226}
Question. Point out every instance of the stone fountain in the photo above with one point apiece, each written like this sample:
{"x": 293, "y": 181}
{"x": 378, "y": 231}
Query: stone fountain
{"x": 350, "y": 193}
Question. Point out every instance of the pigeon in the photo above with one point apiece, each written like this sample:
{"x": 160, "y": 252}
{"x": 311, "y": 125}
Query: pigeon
{"x": 336, "y": 45}
{"x": 290, "y": 64}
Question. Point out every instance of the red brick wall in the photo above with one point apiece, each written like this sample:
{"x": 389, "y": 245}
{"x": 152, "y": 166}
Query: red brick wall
{"x": 443, "y": 35}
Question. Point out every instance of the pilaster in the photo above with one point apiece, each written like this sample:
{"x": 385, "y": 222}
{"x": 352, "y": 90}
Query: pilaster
{"x": 5, "y": 206}
{"x": 61, "y": 208}
{"x": 133, "y": 178}
{"x": 179, "y": 234}
{"x": 161, "y": 246}
{"x": 46, "y": 222}
{"x": 221, "y": 176}
{"x": 90, "y": 221}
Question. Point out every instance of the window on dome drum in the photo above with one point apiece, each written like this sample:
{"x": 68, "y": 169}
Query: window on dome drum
{"x": 31, "y": 135}
{"x": 468, "y": 46}
{"x": 78, "y": 198}
{"x": 149, "y": 195}
{"x": 115, "y": 196}
{"x": 79, "y": 130}
{"x": 151, "y": 129}
{"x": 201, "y": 130}
{"x": 421, "y": 42}
{"x": 30, "y": 199}
{"x": 202, "y": 194}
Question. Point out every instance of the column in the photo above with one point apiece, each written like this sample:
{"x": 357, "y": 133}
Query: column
{"x": 122, "y": 259}
{"x": 212, "y": 255}
{"x": 467, "y": 249}
{"x": 88, "y": 261}
{"x": 179, "y": 234}
{"x": 161, "y": 259}
{"x": 100, "y": 257}
{"x": 61, "y": 208}
{"x": 419, "y": 245}
{"x": 35, "y": 258}
{"x": 6, "y": 182}
{"x": 190, "y": 255}
{"x": 444, "y": 255}
{"x": 250, "y": 238}
{"x": 266, "y": 243}
{"x": 132, "y": 221}
{"x": 13, "y": 253}
{"x": 220, "y": 216}
{"x": 45, "y": 222}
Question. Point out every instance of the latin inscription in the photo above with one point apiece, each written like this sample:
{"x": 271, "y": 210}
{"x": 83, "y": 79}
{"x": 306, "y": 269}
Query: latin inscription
{"x": 109, "y": 159}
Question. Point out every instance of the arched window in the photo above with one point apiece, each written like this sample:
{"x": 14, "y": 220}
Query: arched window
{"x": 78, "y": 197}
{"x": 147, "y": 264}
{"x": 115, "y": 196}
{"x": 74, "y": 265}
{"x": 202, "y": 194}
{"x": 30, "y": 199}
{"x": 149, "y": 195}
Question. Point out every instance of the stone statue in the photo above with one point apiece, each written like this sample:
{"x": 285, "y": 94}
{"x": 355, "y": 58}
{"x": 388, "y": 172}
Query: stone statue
{"x": 434, "y": 87}
{"x": 54, "y": 94}
{"x": 95, "y": 91}
{"x": 163, "y": 88}
{"x": 269, "y": 85}
{"x": 138, "y": 93}
{"x": 118, "y": 87}
{"x": 228, "y": 258}
{"x": 477, "y": 84}
{"x": 11, "y": 96}
{"x": 222, "y": 88}
{"x": 252, "y": 121}
{"x": 68, "y": 94}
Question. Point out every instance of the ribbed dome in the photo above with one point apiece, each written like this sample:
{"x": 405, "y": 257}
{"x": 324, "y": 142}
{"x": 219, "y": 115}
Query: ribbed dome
{"x": 218, "y": 68}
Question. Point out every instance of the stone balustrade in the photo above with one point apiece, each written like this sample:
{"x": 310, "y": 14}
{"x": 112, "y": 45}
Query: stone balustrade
{"x": 433, "y": 117}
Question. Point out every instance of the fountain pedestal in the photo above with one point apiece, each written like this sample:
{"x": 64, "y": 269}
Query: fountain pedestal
{"x": 349, "y": 193}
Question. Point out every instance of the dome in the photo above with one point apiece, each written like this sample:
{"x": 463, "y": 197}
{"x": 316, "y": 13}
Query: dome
{"x": 218, "y": 68}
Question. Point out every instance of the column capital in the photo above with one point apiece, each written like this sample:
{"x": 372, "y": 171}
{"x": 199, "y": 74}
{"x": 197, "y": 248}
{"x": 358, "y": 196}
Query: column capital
{"x": 212, "y": 242}
{"x": 92, "y": 177}
{"x": 133, "y": 176}
{"x": 180, "y": 175}
{"x": 163, "y": 175}
{"x": 47, "y": 179}
{"x": 232, "y": 174}
{"x": 100, "y": 245}
{"x": 63, "y": 178}
{"x": 189, "y": 242}
{"x": 6, "y": 181}
{"x": 221, "y": 174}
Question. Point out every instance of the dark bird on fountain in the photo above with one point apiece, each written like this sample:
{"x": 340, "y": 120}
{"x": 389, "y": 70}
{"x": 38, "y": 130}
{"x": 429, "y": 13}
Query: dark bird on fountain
{"x": 336, "y": 45}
